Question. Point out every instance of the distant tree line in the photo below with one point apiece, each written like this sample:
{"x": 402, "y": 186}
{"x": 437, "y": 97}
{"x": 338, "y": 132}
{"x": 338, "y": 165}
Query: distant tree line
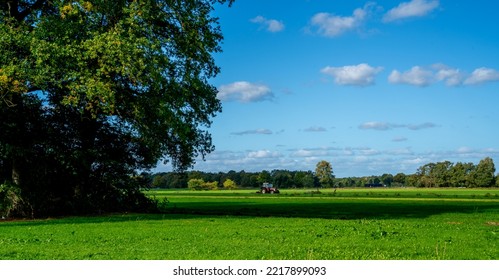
{"x": 280, "y": 178}
{"x": 431, "y": 175}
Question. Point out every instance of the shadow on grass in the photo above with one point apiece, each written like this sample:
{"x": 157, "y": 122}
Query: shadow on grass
{"x": 340, "y": 209}
{"x": 330, "y": 209}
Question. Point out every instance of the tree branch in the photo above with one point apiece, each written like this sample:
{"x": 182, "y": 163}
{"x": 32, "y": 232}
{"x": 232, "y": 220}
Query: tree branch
{"x": 37, "y": 5}
{"x": 20, "y": 16}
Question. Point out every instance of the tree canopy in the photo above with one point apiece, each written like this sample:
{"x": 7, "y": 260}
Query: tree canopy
{"x": 324, "y": 171}
{"x": 93, "y": 91}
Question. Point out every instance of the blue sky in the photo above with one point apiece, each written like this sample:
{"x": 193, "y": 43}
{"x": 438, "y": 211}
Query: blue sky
{"x": 372, "y": 87}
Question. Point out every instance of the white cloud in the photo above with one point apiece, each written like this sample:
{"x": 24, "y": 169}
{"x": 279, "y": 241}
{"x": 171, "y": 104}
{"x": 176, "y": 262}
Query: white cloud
{"x": 309, "y": 153}
{"x": 271, "y": 25}
{"x": 401, "y": 151}
{"x": 357, "y": 75}
{"x": 451, "y": 76}
{"x": 464, "y": 150}
{"x": 253, "y": 131}
{"x": 388, "y": 126}
{"x": 330, "y": 25}
{"x": 263, "y": 154}
{"x": 375, "y": 126}
{"x": 369, "y": 152}
{"x": 421, "y": 76}
{"x": 417, "y": 76}
{"x": 482, "y": 75}
{"x": 413, "y": 161}
{"x": 414, "y": 8}
{"x": 346, "y": 161}
{"x": 245, "y": 92}
{"x": 314, "y": 152}
{"x": 420, "y": 126}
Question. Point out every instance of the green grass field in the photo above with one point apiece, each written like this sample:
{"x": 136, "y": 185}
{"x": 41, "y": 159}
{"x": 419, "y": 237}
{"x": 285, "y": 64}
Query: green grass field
{"x": 354, "y": 224}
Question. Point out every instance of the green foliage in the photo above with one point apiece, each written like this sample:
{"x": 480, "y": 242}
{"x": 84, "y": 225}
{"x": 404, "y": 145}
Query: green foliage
{"x": 200, "y": 184}
{"x": 10, "y": 200}
{"x": 447, "y": 174}
{"x": 91, "y": 91}
{"x": 264, "y": 177}
{"x": 324, "y": 171}
{"x": 229, "y": 184}
{"x": 195, "y": 184}
{"x": 483, "y": 175}
{"x": 210, "y": 186}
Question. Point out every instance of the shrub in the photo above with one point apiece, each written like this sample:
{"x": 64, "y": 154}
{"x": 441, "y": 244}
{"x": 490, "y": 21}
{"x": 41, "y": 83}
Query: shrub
{"x": 200, "y": 184}
{"x": 11, "y": 202}
{"x": 229, "y": 184}
{"x": 195, "y": 184}
{"x": 210, "y": 185}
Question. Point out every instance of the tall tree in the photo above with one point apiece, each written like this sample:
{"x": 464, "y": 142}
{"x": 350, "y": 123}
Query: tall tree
{"x": 324, "y": 171}
{"x": 441, "y": 173}
{"x": 117, "y": 85}
{"x": 460, "y": 174}
{"x": 483, "y": 175}
{"x": 400, "y": 178}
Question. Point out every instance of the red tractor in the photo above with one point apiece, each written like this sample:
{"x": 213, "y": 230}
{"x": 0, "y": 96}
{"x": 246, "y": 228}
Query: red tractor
{"x": 268, "y": 188}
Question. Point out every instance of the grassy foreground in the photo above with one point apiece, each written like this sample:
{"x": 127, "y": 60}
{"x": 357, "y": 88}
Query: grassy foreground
{"x": 347, "y": 224}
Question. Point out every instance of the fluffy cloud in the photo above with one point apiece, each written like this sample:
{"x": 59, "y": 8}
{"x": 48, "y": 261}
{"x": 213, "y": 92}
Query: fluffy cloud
{"x": 387, "y": 126}
{"x": 346, "y": 161}
{"x": 330, "y": 25}
{"x": 425, "y": 76}
{"x": 263, "y": 154}
{"x": 482, "y": 75}
{"x": 253, "y": 131}
{"x": 417, "y": 76}
{"x": 414, "y": 8}
{"x": 312, "y": 154}
{"x": 270, "y": 25}
{"x": 244, "y": 92}
{"x": 357, "y": 75}
{"x": 451, "y": 76}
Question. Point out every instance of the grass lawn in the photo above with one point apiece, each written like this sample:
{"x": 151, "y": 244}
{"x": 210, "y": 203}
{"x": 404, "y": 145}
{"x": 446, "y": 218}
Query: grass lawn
{"x": 296, "y": 224}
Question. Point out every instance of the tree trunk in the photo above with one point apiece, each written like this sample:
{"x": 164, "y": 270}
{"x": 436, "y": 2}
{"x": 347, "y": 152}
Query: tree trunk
{"x": 16, "y": 172}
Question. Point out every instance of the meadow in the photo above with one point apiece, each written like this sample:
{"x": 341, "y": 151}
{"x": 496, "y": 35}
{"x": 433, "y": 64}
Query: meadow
{"x": 364, "y": 224}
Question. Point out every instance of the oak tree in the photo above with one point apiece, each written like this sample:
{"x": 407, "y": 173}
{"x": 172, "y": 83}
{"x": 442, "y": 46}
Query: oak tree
{"x": 92, "y": 91}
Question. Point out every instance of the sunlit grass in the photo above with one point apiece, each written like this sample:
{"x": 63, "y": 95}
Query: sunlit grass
{"x": 292, "y": 225}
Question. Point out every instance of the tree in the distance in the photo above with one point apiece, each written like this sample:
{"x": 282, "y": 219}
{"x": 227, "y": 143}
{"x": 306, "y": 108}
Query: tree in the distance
{"x": 324, "y": 171}
{"x": 483, "y": 175}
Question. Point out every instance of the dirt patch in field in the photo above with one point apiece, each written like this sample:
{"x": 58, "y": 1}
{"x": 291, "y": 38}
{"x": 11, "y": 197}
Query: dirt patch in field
{"x": 455, "y": 223}
{"x": 492, "y": 223}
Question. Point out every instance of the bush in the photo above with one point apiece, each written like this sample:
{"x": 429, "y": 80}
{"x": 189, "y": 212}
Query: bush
{"x": 200, "y": 184}
{"x": 229, "y": 184}
{"x": 11, "y": 202}
{"x": 195, "y": 184}
{"x": 210, "y": 186}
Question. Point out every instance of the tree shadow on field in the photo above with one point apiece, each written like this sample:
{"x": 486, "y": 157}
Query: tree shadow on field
{"x": 343, "y": 210}
{"x": 324, "y": 209}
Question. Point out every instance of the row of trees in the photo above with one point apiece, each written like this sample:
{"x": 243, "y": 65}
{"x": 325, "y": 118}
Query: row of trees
{"x": 280, "y": 178}
{"x": 447, "y": 174}
{"x": 431, "y": 175}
